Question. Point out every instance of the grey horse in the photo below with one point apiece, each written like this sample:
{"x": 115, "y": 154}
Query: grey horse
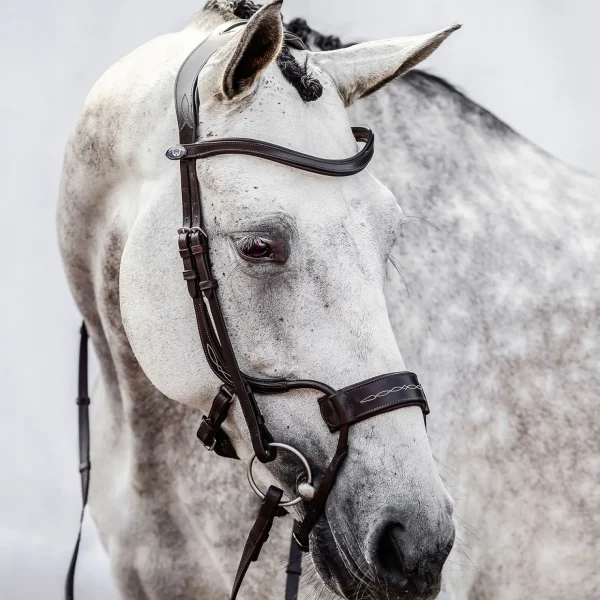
{"x": 494, "y": 305}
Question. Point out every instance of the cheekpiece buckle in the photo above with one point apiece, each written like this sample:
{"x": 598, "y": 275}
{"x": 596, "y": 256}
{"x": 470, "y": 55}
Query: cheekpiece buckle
{"x": 300, "y": 545}
{"x": 208, "y": 429}
{"x": 197, "y": 229}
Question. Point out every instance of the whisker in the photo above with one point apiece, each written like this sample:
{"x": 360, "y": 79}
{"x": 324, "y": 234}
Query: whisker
{"x": 466, "y": 526}
{"x": 423, "y": 220}
{"x": 397, "y": 264}
{"x": 461, "y": 551}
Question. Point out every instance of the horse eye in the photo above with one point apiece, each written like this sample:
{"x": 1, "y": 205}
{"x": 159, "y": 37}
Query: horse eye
{"x": 254, "y": 247}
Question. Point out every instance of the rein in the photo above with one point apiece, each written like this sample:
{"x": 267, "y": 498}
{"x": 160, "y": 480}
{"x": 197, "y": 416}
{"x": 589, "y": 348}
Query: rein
{"x": 340, "y": 409}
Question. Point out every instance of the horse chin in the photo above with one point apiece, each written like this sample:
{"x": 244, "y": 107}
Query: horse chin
{"x": 329, "y": 563}
{"x": 337, "y": 567}
{"x": 339, "y": 570}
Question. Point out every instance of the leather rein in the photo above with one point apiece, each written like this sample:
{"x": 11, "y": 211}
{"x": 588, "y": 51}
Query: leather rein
{"x": 339, "y": 408}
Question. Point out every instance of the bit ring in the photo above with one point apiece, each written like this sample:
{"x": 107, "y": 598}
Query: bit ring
{"x": 259, "y": 492}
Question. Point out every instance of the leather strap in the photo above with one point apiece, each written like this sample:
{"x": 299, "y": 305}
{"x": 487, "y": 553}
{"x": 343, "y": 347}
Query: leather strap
{"x": 222, "y": 352}
{"x": 322, "y": 166}
{"x": 340, "y": 409}
{"x": 316, "y": 507}
{"x": 193, "y": 247}
{"x": 187, "y": 76}
{"x": 185, "y": 90}
{"x": 258, "y": 534}
{"x": 293, "y": 571}
{"x": 210, "y": 433}
{"x": 83, "y": 403}
{"x": 373, "y": 396}
{"x": 346, "y": 407}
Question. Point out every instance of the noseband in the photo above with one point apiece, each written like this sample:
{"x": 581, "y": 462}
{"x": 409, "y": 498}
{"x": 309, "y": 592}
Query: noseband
{"x": 339, "y": 409}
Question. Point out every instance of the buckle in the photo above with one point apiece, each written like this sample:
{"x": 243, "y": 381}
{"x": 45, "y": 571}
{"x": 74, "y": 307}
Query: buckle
{"x": 198, "y": 230}
{"x": 300, "y": 544}
{"x": 207, "y": 432}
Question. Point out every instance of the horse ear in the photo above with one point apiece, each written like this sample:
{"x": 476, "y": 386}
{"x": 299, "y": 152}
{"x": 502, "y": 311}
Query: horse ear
{"x": 362, "y": 69}
{"x": 258, "y": 47}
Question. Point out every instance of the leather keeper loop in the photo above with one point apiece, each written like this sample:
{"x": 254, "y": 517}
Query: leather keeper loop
{"x": 182, "y": 243}
{"x": 210, "y": 284}
{"x": 200, "y": 249}
{"x": 189, "y": 274}
{"x": 207, "y": 433}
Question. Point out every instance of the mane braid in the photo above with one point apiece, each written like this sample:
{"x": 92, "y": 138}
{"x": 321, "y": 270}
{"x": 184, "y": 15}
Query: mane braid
{"x": 308, "y": 35}
{"x": 244, "y": 9}
{"x": 309, "y": 87}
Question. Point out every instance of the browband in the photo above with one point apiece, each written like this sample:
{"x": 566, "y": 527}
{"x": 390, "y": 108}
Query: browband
{"x": 322, "y": 166}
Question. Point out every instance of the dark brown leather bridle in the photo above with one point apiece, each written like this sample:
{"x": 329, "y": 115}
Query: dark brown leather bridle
{"x": 339, "y": 409}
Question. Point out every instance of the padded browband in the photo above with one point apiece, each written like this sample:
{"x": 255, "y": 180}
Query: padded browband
{"x": 373, "y": 396}
{"x": 322, "y": 166}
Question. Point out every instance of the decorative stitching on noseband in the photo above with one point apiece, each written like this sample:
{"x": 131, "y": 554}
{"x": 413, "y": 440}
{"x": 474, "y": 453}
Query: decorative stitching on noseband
{"x": 400, "y": 388}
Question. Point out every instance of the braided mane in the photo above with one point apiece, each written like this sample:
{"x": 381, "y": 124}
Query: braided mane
{"x": 308, "y": 87}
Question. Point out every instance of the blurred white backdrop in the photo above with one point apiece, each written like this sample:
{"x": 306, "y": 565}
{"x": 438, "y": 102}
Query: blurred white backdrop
{"x": 531, "y": 62}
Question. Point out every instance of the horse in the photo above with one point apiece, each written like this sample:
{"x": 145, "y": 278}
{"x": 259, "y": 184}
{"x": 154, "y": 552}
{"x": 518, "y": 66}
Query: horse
{"x": 499, "y": 323}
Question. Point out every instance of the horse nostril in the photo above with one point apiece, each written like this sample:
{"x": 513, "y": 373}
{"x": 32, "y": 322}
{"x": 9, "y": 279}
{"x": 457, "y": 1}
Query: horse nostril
{"x": 411, "y": 558}
{"x": 389, "y": 556}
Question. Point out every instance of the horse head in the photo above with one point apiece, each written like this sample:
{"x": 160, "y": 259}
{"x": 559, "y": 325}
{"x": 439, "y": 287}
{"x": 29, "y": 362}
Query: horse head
{"x": 301, "y": 263}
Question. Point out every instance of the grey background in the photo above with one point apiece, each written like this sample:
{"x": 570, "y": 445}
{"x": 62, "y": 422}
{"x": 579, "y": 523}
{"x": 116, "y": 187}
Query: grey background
{"x": 532, "y": 62}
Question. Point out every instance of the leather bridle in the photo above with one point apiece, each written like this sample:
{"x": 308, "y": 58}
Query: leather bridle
{"x": 339, "y": 409}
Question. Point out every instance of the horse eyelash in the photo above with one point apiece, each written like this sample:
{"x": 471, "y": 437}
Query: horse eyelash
{"x": 245, "y": 243}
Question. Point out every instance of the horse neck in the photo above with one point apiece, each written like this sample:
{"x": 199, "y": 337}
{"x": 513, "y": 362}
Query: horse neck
{"x": 434, "y": 144}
